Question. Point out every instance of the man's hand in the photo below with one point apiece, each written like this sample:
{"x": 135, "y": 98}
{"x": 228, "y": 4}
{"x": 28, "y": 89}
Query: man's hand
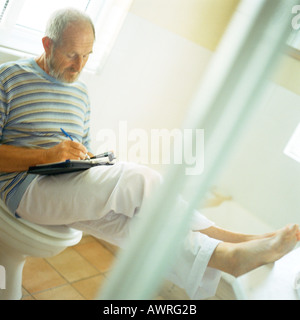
{"x": 20, "y": 159}
{"x": 66, "y": 150}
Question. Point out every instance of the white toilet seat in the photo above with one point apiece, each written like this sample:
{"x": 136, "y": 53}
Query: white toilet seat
{"x": 20, "y": 239}
{"x": 56, "y": 235}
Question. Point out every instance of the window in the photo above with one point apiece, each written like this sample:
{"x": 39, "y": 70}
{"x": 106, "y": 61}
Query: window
{"x": 23, "y": 22}
{"x": 37, "y": 22}
{"x": 293, "y": 148}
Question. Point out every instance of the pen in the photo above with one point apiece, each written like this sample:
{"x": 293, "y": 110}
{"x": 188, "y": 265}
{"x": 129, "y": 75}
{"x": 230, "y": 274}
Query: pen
{"x": 108, "y": 154}
{"x": 68, "y": 136}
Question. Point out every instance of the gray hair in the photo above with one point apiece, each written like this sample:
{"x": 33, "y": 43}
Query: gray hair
{"x": 59, "y": 21}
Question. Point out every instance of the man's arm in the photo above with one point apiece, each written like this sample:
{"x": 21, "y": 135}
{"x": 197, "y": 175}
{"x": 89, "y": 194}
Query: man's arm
{"x": 20, "y": 159}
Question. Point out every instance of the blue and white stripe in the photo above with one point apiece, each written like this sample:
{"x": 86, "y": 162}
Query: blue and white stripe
{"x": 33, "y": 108}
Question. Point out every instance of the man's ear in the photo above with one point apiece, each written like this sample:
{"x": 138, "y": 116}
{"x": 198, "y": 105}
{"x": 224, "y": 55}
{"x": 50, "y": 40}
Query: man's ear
{"x": 47, "y": 44}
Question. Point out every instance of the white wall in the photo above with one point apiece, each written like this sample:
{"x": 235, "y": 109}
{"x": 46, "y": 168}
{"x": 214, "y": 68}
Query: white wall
{"x": 259, "y": 175}
{"x": 148, "y": 81}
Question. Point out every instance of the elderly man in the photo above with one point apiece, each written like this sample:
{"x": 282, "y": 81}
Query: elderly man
{"x": 40, "y": 96}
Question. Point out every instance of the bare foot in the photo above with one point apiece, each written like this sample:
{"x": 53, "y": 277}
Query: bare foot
{"x": 233, "y": 237}
{"x": 240, "y": 258}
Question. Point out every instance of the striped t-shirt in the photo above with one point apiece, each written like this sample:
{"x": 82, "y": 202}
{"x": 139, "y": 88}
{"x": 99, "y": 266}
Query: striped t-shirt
{"x": 33, "y": 108}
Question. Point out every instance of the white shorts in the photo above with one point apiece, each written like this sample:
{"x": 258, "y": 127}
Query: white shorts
{"x": 103, "y": 201}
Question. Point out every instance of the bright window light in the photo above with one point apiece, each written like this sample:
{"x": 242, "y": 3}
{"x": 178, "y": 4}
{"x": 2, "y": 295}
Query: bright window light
{"x": 293, "y": 147}
{"x": 29, "y": 18}
{"x": 3, "y": 6}
{"x": 23, "y": 22}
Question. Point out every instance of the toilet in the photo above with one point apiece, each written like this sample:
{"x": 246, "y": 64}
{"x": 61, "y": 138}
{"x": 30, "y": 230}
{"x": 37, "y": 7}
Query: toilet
{"x": 20, "y": 239}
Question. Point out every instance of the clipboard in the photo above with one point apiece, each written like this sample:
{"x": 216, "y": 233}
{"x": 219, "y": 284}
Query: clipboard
{"x": 72, "y": 165}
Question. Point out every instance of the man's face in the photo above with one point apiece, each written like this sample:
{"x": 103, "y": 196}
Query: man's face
{"x": 67, "y": 59}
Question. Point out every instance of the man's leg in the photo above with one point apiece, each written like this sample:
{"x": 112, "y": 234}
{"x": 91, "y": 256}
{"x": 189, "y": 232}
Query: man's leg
{"x": 88, "y": 195}
{"x": 103, "y": 201}
{"x": 240, "y": 258}
{"x": 233, "y": 237}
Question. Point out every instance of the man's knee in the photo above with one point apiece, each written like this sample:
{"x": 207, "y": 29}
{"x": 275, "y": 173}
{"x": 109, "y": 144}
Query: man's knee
{"x": 140, "y": 179}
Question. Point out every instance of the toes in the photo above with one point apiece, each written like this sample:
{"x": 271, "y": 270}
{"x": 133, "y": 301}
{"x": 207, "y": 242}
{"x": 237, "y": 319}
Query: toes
{"x": 293, "y": 228}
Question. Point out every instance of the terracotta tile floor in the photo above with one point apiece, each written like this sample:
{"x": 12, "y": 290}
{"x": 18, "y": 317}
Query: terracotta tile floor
{"x": 77, "y": 274}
